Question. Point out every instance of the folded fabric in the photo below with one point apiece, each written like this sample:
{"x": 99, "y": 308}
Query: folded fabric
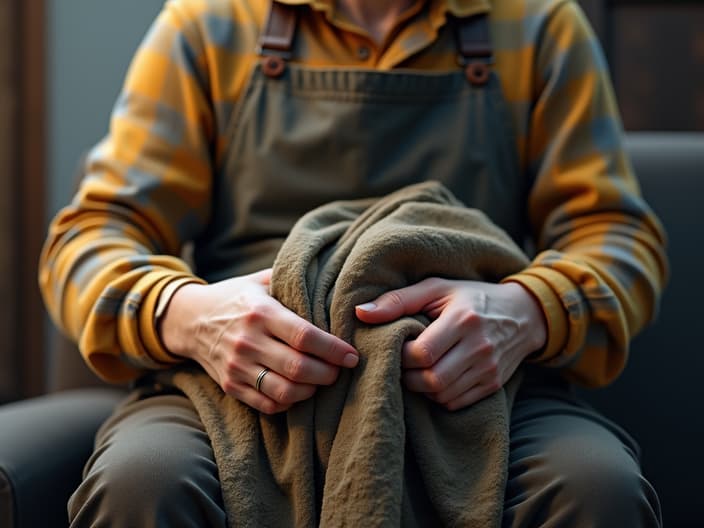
{"x": 365, "y": 451}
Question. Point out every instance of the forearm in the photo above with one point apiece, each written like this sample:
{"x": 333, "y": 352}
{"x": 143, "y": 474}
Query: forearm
{"x": 100, "y": 282}
{"x": 601, "y": 265}
{"x": 596, "y": 296}
{"x": 145, "y": 193}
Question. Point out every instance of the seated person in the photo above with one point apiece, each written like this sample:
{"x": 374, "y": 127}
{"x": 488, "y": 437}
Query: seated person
{"x": 229, "y": 129}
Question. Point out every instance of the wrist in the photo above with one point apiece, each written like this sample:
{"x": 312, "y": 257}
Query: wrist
{"x": 531, "y": 317}
{"x": 177, "y": 320}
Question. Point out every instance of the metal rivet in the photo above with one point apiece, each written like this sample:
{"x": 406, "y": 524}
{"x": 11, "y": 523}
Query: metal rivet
{"x": 477, "y": 73}
{"x": 363, "y": 53}
{"x": 273, "y": 66}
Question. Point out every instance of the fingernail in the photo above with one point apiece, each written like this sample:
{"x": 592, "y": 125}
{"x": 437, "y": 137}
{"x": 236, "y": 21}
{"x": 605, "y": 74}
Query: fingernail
{"x": 367, "y": 307}
{"x": 350, "y": 360}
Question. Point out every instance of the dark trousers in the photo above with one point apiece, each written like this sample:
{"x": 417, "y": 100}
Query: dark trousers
{"x": 568, "y": 467}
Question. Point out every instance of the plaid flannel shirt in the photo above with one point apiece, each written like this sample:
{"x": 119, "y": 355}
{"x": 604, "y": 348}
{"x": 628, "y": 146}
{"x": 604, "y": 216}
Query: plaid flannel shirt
{"x": 109, "y": 256}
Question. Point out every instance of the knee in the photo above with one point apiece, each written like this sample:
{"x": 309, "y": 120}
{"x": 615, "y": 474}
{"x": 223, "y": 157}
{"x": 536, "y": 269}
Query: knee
{"x": 596, "y": 484}
{"x": 145, "y": 485}
{"x": 139, "y": 471}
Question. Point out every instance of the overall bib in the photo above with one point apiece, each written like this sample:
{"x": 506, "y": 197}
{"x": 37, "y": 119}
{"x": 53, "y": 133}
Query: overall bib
{"x": 301, "y": 137}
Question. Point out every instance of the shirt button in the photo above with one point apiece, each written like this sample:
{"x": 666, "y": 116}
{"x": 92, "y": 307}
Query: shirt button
{"x": 363, "y": 53}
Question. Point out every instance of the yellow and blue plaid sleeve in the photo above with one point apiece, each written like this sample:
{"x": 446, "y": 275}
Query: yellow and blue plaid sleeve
{"x": 601, "y": 264}
{"x": 111, "y": 253}
{"x": 146, "y": 190}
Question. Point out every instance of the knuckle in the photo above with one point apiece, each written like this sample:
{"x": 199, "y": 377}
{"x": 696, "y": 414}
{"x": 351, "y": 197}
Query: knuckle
{"x": 229, "y": 387}
{"x": 231, "y": 366}
{"x": 492, "y": 368}
{"x": 329, "y": 375}
{"x": 394, "y": 297}
{"x": 452, "y": 405}
{"x": 426, "y": 359}
{"x": 485, "y": 348}
{"x": 492, "y": 386}
{"x": 432, "y": 282}
{"x": 295, "y": 368}
{"x": 435, "y": 380}
{"x": 334, "y": 350}
{"x": 469, "y": 320}
{"x": 424, "y": 354}
{"x": 241, "y": 343}
{"x": 268, "y": 407}
{"x": 254, "y": 315}
{"x": 285, "y": 394}
{"x": 301, "y": 336}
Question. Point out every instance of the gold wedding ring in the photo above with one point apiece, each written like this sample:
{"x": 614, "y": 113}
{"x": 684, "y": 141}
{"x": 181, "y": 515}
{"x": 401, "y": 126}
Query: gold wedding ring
{"x": 260, "y": 378}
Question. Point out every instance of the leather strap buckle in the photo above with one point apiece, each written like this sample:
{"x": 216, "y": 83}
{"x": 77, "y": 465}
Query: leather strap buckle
{"x": 276, "y": 40}
{"x": 474, "y": 45}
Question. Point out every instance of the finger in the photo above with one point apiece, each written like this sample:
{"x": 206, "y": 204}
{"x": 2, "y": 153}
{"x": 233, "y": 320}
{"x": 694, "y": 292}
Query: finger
{"x": 405, "y": 301}
{"x": 446, "y": 372}
{"x": 464, "y": 382}
{"x": 283, "y": 391}
{"x": 472, "y": 396}
{"x": 262, "y": 402}
{"x": 433, "y": 344}
{"x": 306, "y": 337}
{"x": 257, "y": 400}
{"x": 262, "y": 277}
{"x": 266, "y": 350}
{"x": 297, "y": 366}
{"x": 483, "y": 369}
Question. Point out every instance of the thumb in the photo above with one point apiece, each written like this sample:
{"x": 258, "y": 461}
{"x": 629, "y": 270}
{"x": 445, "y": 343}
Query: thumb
{"x": 393, "y": 305}
{"x": 263, "y": 277}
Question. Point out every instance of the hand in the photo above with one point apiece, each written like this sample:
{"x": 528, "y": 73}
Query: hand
{"x": 478, "y": 336}
{"x": 234, "y": 329}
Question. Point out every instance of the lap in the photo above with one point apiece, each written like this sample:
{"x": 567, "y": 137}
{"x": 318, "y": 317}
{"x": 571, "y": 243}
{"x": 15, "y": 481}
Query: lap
{"x": 152, "y": 462}
{"x": 569, "y": 465}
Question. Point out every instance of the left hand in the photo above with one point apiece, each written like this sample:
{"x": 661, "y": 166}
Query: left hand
{"x": 478, "y": 336}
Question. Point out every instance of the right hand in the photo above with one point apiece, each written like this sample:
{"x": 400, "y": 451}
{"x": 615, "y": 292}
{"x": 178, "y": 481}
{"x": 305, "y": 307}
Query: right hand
{"x": 235, "y": 328}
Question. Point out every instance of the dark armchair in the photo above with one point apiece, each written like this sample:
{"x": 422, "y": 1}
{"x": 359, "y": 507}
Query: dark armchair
{"x": 45, "y": 441}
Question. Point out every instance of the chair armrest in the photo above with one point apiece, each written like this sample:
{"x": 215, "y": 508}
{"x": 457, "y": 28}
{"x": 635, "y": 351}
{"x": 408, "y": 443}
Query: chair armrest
{"x": 44, "y": 443}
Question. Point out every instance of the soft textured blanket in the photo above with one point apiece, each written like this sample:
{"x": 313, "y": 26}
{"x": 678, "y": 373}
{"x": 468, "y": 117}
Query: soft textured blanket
{"x": 365, "y": 451}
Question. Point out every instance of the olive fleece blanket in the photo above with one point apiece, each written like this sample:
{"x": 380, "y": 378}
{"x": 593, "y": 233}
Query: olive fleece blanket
{"x": 365, "y": 451}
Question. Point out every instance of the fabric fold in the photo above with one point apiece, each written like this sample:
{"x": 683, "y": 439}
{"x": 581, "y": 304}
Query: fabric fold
{"x": 365, "y": 451}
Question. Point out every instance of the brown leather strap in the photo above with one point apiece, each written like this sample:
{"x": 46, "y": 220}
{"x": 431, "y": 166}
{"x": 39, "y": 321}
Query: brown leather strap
{"x": 473, "y": 40}
{"x": 474, "y": 46}
{"x": 279, "y": 30}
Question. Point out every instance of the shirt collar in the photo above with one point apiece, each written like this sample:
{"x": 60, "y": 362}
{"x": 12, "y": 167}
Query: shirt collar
{"x": 458, "y": 8}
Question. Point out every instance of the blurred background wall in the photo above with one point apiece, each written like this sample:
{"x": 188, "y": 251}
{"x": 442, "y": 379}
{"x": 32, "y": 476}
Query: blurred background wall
{"x": 90, "y": 43}
{"x": 89, "y": 47}
{"x": 655, "y": 50}
{"x": 61, "y": 67}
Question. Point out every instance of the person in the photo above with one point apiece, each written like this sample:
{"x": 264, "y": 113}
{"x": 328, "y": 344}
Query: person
{"x": 224, "y": 135}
